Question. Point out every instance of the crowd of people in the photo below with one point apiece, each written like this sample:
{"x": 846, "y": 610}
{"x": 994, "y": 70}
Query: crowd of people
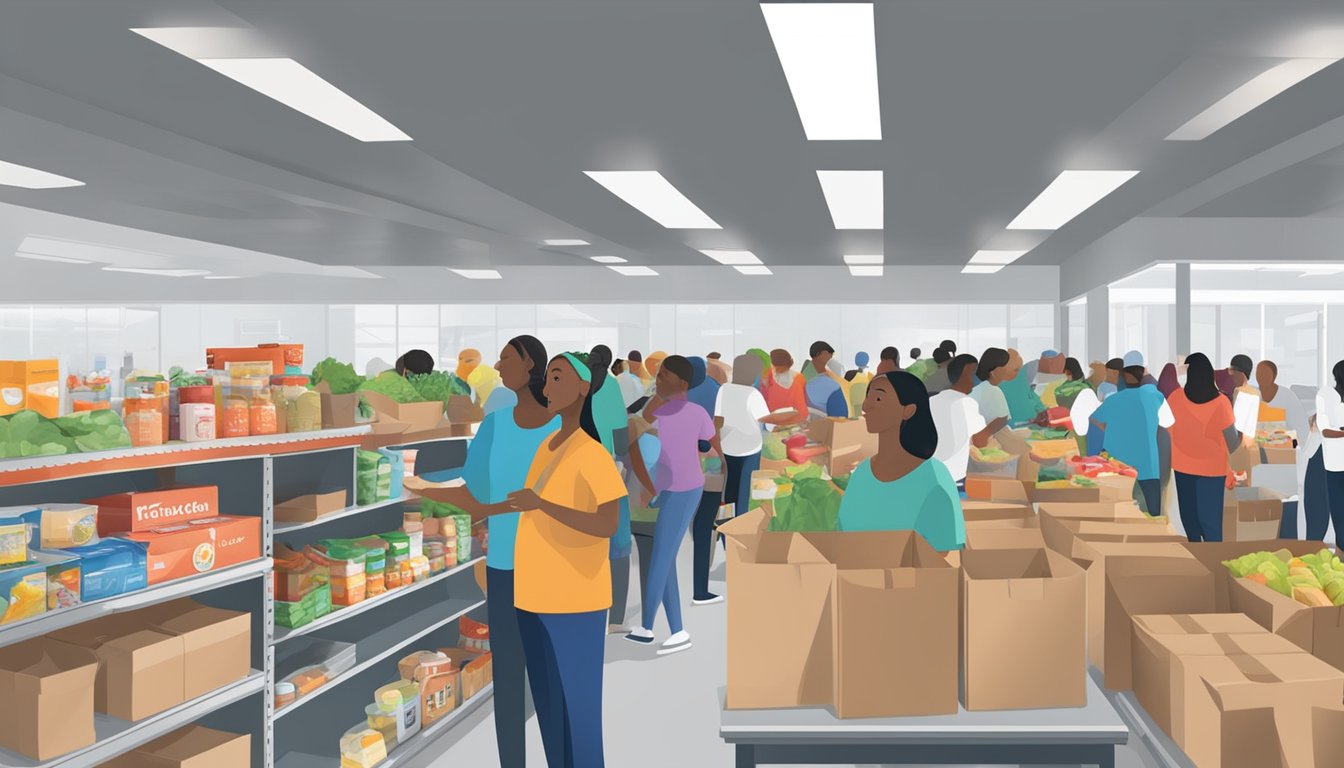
{"x": 571, "y": 442}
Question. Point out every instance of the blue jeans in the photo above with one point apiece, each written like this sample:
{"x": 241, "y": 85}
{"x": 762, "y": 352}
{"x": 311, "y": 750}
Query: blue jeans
{"x": 1201, "y": 503}
{"x": 510, "y": 670}
{"x": 675, "y": 512}
{"x": 564, "y": 666}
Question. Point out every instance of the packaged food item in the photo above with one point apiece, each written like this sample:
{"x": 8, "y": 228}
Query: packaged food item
{"x": 146, "y": 510}
{"x": 109, "y": 568}
{"x": 261, "y": 416}
{"x": 438, "y": 680}
{"x": 198, "y": 546}
{"x": 434, "y": 550}
{"x": 145, "y": 408}
{"x": 345, "y": 567}
{"x": 408, "y": 664}
{"x": 368, "y": 465}
{"x": 375, "y": 562}
{"x": 308, "y": 680}
{"x": 385, "y": 723}
{"x": 196, "y": 422}
{"x": 362, "y": 747}
{"x": 311, "y": 607}
{"x": 407, "y": 573}
{"x": 401, "y": 699}
{"x": 415, "y": 532}
{"x": 396, "y": 472}
{"x": 285, "y": 694}
{"x": 295, "y": 574}
{"x": 393, "y": 578}
{"x": 477, "y": 669}
{"x": 236, "y": 421}
{"x": 63, "y": 571}
{"x": 61, "y": 526}
{"x": 30, "y": 384}
{"x": 475, "y": 635}
{"x": 399, "y": 546}
{"x": 13, "y": 542}
{"x": 23, "y": 592}
{"x": 419, "y": 568}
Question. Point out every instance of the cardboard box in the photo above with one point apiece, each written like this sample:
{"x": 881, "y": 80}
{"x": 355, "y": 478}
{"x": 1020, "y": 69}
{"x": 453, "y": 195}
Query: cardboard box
{"x": 1318, "y": 631}
{"x": 989, "y": 488}
{"x": 827, "y": 619}
{"x": 217, "y": 644}
{"x": 1024, "y": 537}
{"x": 1060, "y": 535}
{"x": 190, "y": 747}
{"x": 1162, "y": 641}
{"x": 338, "y": 411}
{"x": 1257, "y": 711}
{"x": 278, "y": 355}
{"x": 1106, "y": 489}
{"x": 46, "y": 698}
{"x": 1251, "y": 514}
{"x": 1024, "y": 630}
{"x": 146, "y": 510}
{"x": 198, "y": 546}
{"x": 416, "y": 416}
{"x": 140, "y": 670}
{"x": 1213, "y": 553}
{"x": 306, "y": 509}
{"x": 994, "y": 512}
{"x": 1101, "y": 511}
{"x": 848, "y": 441}
{"x": 1139, "y": 585}
{"x": 1270, "y": 455}
{"x": 461, "y": 409}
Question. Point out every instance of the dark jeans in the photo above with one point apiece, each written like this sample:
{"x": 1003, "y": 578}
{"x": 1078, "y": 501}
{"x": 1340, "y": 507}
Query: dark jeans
{"x": 564, "y": 666}
{"x": 1288, "y": 526}
{"x": 737, "y": 486}
{"x": 510, "y": 668}
{"x": 620, "y": 589}
{"x": 1152, "y": 496}
{"x": 1201, "y": 503}
{"x": 702, "y": 542}
{"x": 1316, "y": 499}
{"x": 1335, "y": 484}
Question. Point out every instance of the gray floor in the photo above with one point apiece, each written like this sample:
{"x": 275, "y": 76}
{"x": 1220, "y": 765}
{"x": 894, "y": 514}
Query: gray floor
{"x": 658, "y": 711}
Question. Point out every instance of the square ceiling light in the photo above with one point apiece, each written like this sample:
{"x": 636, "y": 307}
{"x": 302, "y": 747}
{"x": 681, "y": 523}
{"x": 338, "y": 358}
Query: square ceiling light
{"x": 478, "y": 274}
{"x": 654, "y": 196}
{"x": 14, "y": 175}
{"x": 560, "y": 241}
{"x": 732, "y": 258}
{"x": 634, "y": 271}
{"x": 996, "y": 257}
{"x": 608, "y": 259}
{"x": 864, "y": 265}
{"x": 829, "y": 55}
{"x": 981, "y": 269}
{"x": 1071, "y": 193}
{"x": 854, "y": 197}
{"x": 755, "y": 271}
{"x": 1252, "y": 94}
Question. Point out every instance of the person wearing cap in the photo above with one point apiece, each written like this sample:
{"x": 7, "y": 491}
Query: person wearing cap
{"x": 1131, "y": 359}
{"x": 1131, "y": 419}
{"x": 784, "y": 388}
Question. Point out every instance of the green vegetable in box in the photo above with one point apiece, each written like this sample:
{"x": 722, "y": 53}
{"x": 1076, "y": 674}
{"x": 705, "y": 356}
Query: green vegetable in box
{"x": 438, "y": 385}
{"x": 392, "y": 385}
{"x": 773, "y": 448}
{"x": 806, "y": 501}
{"x": 339, "y": 377}
{"x": 178, "y": 378}
{"x": 432, "y": 508}
{"x": 28, "y": 433}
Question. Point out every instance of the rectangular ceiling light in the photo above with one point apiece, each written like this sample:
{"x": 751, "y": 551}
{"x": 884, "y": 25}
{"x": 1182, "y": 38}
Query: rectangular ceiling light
{"x": 829, "y": 55}
{"x": 563, "y": 241}
{"x": 981, "y": 269}
{"x": 996, "y": 257}
{"x": 854, "y": 197}
{"x": 863, "y": 259}
{"x": 634, "y": 271}
{"x": 866, "y": 271}
{"x": 160, "y": 272}
{"x": 1071, "y": 193}
{"x": 608, "y": 259}
{"x": 56, "y": 259}
{"x": 222, "y": 277}
{"x": 1255, "y": 92}
{"x": 13, "y": 175}
{"x": 655, "y": 197}
{"x": 478, "y": 274}
{"x": 732, "y": 258}
{"x": 754, "y": 270}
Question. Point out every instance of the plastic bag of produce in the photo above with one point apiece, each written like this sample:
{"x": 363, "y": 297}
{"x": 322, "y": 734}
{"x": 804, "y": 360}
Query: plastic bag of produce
{"x": 806, "y": 502}
{"x": 367, "y": 469}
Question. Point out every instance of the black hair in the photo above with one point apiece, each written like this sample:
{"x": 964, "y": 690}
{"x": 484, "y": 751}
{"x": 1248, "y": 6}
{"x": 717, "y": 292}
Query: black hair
{"x": 1338, "y": 373}
{"x": 598, "y": 375}
{"x": 714, "y": 356}
{"x": 1273, "y": 366}
{"x": 849, "y": 375}
{"x": 1200, "y": 386}
{"x": 818, "y": 347}
{"x": 617, "y": 367}
{"x": 1115, "y": 364}
{"x": 1241, "y": 364}
{"x": 993, "y": 359}
{"x": 1074, "y": 369}
{"x": 949, "y": 345}
{"x": 1137, "y": 371}
{"x": 941, "y": 355}
{"x": 638, "y": 405}
{"x": 919, "y": 435}
{"x": 958, "y": 365}
{"x": 915, "y": 352}
{"x": 531, "y": 348}
{"x": 415, "y": 361}
{"x": 890, "y": 353}
{"x": 680, "y": 367}
{"x": 635, "y": 356}
{"x": 601, "y": 355}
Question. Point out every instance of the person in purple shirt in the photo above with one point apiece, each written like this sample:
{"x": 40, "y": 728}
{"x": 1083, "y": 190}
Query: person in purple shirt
{"x": 675, "y": 493}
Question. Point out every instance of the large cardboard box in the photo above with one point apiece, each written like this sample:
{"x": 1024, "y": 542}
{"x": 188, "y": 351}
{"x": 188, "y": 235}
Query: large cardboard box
{"x": 309, "y": 507}
{"x": 990, "y": 488}
{"x": 1258, "y": 711}
{"x": 46, "y": 698}
{"x": 1251, "y": 514}
{"x": 217, "y": 644}
{"x": 1023, "y": 633}
{"x": 1269, "y": 455}
{"x": 198, "y": 546}
{"x": 1318, "y": 631}
{"x": 1161, "y": 642}
{"x": 1104, "y": 489}
{"x": 1100, "y": 511}
{"x": 190, "y": 747}
{"x": 140, "y": 670}
{"x": 1060, "y": 535}
{"x": 840, "y": 619}
{"x": 147, "y": 510}
{"x": 848, "y": 443}
{"x": 1139, "y": 585}
{"x": 417, "y": 417}
{"x": 995, "y": 537}
{"x": 1213, "y": 553}
{"x": 995, "y": 513}
{"x": 338, "y": 411}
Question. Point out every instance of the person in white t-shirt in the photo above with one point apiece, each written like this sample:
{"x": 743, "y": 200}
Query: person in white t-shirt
{"x": 1330, "y": 420}
{"x": 957, "y": 417}
{"x": 739, "y": 412}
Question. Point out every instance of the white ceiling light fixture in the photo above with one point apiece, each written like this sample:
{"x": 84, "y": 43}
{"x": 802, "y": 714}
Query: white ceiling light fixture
{"x": 755, "y": 271}
{"x": 854, "y": 197}
{"x": 560, "y": 241}
{"x": 634, "y": 271}
{"x": 478, "y": 274}
{"x": 1252, "y": 94}
{"x": 159, "y": 272}
{"x": 996, "y": 257}
{"x": 981, "y": 269}
{"x": 54, "y": 259}
{"x": 15, "y": 175}
{"x": 1071, "y": 193}
{"x": 608, "y": 259}
{"x": 864, "y": 265}
{"x": 222, "y": 277}
{"x": 654, "y": 196}
{"x": 829, "y": 55}
{"x": 732, "y": 258}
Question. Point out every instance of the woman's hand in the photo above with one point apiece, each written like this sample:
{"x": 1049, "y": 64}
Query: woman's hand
{"x": 524, "y": 500}
{"x": 415, "y": 483}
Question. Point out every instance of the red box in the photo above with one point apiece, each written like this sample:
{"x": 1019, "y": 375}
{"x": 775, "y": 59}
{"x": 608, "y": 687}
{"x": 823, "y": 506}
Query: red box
{"x": 278, "y": 355}
{"x": 198, "y": 546}
{"x": 147, "y": 510}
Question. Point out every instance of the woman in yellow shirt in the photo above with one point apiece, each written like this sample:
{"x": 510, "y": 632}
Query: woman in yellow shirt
{"x": 562, "y": 575}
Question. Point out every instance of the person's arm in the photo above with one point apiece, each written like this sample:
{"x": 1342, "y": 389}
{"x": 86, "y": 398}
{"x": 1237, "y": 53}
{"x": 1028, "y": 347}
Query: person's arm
{"x": 1329, "y": 429}
{"x": 981, "y": 438}
{"x": 1165, "y": 418}
{"x": 940, "y": 520}
{"x": 708, "y": 428}
{"x": 475, "y": 473}
{"x": 651, "y": 407}
{"x": 602, "y": 524}
{"x": 460, "y": 496}
{"x": 641, "y": 471}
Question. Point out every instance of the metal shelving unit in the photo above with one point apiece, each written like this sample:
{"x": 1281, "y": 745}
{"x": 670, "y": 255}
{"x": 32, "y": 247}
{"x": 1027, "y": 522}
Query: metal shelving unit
{"x": 287, "y": 528}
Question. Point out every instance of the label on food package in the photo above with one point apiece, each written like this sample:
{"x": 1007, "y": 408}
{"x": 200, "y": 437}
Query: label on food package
{"x": 158, "y": 511}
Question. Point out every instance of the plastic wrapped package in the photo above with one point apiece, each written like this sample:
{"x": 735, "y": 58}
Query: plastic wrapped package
{"x": 111, "y": 567}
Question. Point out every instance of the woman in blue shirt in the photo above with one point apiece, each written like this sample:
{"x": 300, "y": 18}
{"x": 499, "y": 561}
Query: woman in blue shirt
{"x": 902, "y": 487}
{"x": 498, "y": 460}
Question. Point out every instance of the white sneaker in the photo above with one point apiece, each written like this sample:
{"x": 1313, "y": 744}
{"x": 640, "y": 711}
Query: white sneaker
{"x": 640, "y": 636}
{"x": 676, "y": 643}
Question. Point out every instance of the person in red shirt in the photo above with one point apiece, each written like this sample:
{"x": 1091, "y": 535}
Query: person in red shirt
{"x": 784, "y": 387}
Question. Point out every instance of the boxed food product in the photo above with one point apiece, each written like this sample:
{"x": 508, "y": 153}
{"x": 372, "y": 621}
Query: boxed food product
{"x": 1145, "y": 584}
{"x": 475, "y": 635}
{"x": 401, "y": 699}
{"x": 145, "y": 510}
{"x": 418, "y": 417}
{"x": 308, "y": 679}
{"x": 1213, "y": 554}
{"x": 1027, "y": 605}
{"x": 847, "y": 443}
{"x": 333, "y": 657}
{"x": 1004, "y": 537}
{"x": 109, "y": 568}
{"x": 398, "y": 547}
{"x": 310, "y": 507}
{"x": 61, "y": 526}
{"x": 1251, "y": 514}
{"x": 198, "y": 546}
{"x": 46, "y": 698}
{"x": 313, "y": 606}
{"x": 476, "y": 668}
{"x": 1318, "y": 630}
{"x": 217, "y": 644}
{"x": 990, "y": 488}
{"x": 362, "y": 747}
{"x": 13, "y": 541}
{"x": 439, "y": 681}
{"x": 295, "y": 574}
{"x": 140, "y": 671}
{"x": 1104, "y": 511}
{"x": 345, "y": 567}
{"x": 191, "y": 747}
{"x": 50, "y": 580}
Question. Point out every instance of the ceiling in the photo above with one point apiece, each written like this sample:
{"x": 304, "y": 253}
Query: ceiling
{"x": 983, "y": 103}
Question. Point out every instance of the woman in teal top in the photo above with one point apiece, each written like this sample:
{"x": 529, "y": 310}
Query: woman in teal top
{"x": 902, "y": 487}
{"x": 498, "y": 460}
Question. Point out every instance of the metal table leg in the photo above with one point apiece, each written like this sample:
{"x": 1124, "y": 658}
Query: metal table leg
{"x": 746, "y": 756}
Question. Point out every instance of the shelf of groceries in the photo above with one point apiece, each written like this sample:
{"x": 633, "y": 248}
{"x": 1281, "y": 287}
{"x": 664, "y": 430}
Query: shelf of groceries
{"x": 1223, "y": 653}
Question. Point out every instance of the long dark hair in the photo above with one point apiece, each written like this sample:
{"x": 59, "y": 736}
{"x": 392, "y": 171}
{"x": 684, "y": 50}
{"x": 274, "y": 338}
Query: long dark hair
{"x": 1338, "y": 373}
{"x": 531, "y": 348}
{"x": 1200, "y": 386}
{"x": 919, "y": 435}
{"x": 598, "y": 374}
{"x": 1074, "y": 369}
{"x": 993, "y": 359}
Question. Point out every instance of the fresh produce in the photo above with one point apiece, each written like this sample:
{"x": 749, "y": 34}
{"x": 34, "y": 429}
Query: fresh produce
{"x": 1315, "y": 580}
{"x": 28, "y": 433}
{"x": 922, "y": 369}
{"x": 990, "y": 455}
{"x": 801, "y": 454}
{"x": 773, "y": 448}
{"x": 1038, "y": 434}
{"x": 1070, "y": 389}
{"x": 805, "y": 501}
{"x": 393, "y": 386}
{"x": 178, "y": 378}
{"x": 94, "y": 430}
{"x": 1059, "y": 418}
{"x": 1100, "y": 466}
{"x": 438, "y": 385}
{"x": 339, "y": 377}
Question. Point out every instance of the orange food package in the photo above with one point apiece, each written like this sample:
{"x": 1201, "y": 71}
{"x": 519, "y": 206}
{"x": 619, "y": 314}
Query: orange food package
{"x": 198, "y": 546}
{"x": 475, "y": 635}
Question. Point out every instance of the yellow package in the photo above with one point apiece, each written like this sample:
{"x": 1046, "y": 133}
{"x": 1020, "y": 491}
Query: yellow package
{"x": 13, "y": 543}
{"x": 26, "y": 599}
{"x": 68, "y": 525}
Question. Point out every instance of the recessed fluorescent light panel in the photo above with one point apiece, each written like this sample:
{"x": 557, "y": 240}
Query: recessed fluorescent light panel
{"x": 562, "y": 241}
{"x": 222, "y": 277}
{"x": 655, "y": 197}
{"x": 854, "y": 197}
{"x": 634, "y": 271}
{"x": 608, "y": 259}
{"x": 829, "y": 55}
{"x": 1071, "y": 193}
{"x": 1255, "y": 92}
{"x": 981, "y": 269}
{"x": 55, "y": 259}
{"x": 868, "y": 271}
{"x": 754, "y": 270}
{"x": 996, "y": 257}
{"x": 13, "y": 175}
{"x": 478, "y": 274}
{"x": 732, "y": 258}
{"x": 160, "y": 272}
